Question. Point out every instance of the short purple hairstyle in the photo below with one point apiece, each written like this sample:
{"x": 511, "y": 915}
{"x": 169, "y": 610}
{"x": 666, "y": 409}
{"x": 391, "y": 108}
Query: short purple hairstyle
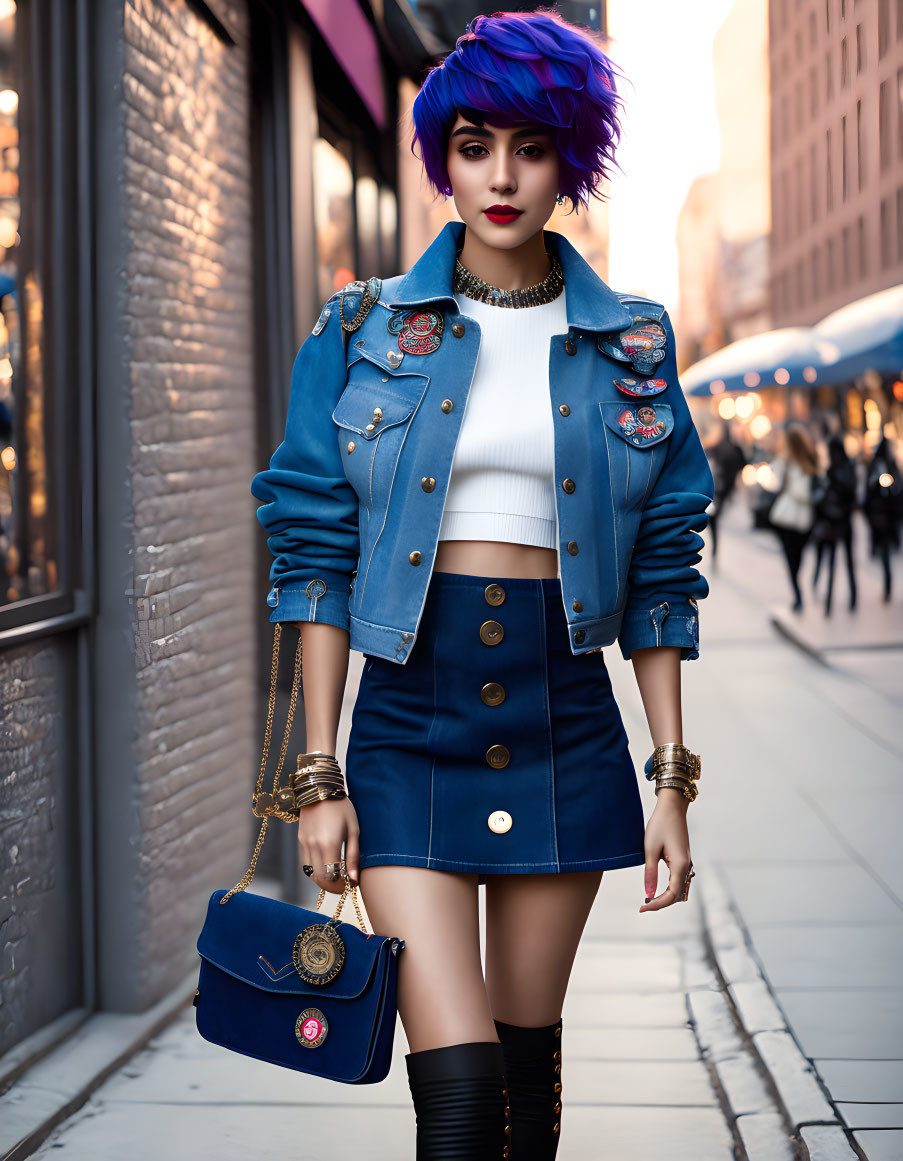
{"x": 517, "y": 67}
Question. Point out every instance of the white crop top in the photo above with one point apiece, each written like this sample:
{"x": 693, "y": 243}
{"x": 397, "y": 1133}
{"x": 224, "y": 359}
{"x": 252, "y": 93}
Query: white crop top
{"x": 502, "y": 484}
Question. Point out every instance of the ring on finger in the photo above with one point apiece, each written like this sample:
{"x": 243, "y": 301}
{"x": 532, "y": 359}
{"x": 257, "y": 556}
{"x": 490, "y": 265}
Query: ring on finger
{"x": 686, "y": 890}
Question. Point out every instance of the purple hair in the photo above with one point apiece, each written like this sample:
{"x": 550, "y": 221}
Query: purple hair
{"x": 516, "y": 67}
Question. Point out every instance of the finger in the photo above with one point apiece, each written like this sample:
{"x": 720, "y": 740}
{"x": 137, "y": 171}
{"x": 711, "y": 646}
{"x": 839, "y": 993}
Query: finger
{"x": 666, "y": 898}
{"x": 650, "y": 877}
{"x": 352, "y": 855}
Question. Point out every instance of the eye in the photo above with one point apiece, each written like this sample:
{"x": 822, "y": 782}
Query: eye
{"x": 465, "y": 150}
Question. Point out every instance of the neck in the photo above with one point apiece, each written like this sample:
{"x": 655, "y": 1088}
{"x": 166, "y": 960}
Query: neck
{"x": 525, "y": 265}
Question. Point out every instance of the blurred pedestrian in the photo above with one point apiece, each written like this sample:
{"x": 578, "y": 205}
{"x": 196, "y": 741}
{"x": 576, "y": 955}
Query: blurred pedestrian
{"x": 792, "y": 513}
{"x": 883, "y": 507}
{"x": 727, "y": 460}
{"x": 834, "y": 500}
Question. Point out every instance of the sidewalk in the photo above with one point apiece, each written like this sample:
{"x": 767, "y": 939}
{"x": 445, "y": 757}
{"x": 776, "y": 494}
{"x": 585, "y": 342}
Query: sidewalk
{"x": 798, "y": 826}
{"x": 635, "y": 1086}
{"x": 768, "y": 1007}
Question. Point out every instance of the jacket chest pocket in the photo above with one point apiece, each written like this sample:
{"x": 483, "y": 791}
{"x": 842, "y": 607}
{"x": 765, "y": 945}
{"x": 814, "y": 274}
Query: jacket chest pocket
{"x": 636, "y": 436}
{"x": 374, "y": 414}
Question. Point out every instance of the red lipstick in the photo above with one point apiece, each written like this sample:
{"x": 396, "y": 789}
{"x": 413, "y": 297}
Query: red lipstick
{"x": 502, "y": 215}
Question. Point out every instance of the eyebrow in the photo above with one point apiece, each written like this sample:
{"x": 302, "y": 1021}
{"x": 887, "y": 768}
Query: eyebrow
{"x": 477, "y": 131}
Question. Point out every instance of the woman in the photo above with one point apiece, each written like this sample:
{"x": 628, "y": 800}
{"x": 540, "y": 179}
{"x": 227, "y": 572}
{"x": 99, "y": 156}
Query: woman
{"x": 834, "y": 502}
{"x": 882, "y": 504}
{"x": 792, "y": 512}
{"x": 490, "y": 472}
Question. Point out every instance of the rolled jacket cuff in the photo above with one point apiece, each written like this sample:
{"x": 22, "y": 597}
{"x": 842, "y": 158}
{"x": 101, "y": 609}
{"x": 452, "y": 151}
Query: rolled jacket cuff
{"x": 323, "y": 597}
{"x": 670, "y": 622}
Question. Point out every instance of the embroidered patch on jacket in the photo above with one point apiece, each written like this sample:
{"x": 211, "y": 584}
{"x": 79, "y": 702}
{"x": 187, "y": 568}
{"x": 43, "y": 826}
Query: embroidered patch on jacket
{"x": 642, "y": 345}
{"x": 639, "y": 387}
{"x": 419, "y": 331}
{"x": 641, "y": 423}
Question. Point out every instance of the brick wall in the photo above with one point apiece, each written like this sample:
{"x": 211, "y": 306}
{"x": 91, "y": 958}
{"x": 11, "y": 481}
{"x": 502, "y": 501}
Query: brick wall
{"x": 189, "y": 326}
{"x": 40, "y": 952}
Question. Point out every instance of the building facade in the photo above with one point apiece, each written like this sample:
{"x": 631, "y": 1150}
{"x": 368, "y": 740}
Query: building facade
{"x": 836, "y": 153}
{"x": 181, "y": 184}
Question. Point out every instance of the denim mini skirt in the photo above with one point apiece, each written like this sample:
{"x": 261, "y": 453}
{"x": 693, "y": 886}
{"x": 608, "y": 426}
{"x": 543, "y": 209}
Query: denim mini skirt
{"x": 493, "y": 749}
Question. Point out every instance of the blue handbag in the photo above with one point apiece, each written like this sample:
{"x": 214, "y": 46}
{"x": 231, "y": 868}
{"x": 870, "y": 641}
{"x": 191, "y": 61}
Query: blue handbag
{"x": 293, "y": 986}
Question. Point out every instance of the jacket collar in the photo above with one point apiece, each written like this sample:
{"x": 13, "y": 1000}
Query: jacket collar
{"x": 591, "y": 304}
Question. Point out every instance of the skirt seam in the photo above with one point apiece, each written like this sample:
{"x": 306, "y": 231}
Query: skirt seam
{"x": 550, "y": 739}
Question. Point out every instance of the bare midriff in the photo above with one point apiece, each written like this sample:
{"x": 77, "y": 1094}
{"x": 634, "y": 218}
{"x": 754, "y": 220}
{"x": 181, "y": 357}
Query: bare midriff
{"x": 496, "y": 559}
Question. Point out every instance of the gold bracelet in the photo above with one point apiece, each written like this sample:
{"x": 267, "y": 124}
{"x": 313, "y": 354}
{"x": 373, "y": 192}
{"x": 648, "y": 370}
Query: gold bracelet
{"x": 689, "y": 792}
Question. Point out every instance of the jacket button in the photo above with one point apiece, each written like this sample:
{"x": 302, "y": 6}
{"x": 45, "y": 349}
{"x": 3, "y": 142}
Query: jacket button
{"x": 458, "y": 329}
{"x": 416, "y": 556}
{"x": 572, "y": 547}
{"x": 494, "y": 594}
{"x": 350, "y": 445}
{"x": 564, "y": 409}
{"x": 568, "y": 485}
{"x": 570, "y": 346}
{"x": 498, "y": 756}
{"x": 491, "y": 633}
{"x": 579, "y": 637}
{"x": 577, "y": 606}
{"x": 427, "y": 483}
{"x": 492, "y": 693}
{"x": 446, "y": 405}
{"x": 500, "y": 821}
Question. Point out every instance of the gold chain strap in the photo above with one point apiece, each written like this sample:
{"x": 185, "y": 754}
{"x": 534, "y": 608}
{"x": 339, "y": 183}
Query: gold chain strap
{"x": 245, "y": 880}
{"x": 271, "y": 811}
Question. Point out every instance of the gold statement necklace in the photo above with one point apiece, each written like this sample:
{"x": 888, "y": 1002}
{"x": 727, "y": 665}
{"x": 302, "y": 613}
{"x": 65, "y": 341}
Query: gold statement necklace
{"x": 467, "y": 283}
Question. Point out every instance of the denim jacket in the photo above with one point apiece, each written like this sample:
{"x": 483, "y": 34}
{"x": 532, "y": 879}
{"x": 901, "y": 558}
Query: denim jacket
{"x": 353, "y": 496}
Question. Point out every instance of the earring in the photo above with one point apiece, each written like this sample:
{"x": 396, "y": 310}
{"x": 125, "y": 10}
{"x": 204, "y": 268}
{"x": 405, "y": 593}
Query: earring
{"x": 560, "y": 199}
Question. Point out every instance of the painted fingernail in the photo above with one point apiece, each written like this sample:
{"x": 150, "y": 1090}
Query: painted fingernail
{"x": 649, "y": 898}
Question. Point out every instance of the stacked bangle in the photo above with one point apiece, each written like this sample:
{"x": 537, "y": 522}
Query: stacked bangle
{"x": 675, "y": 767}
{"x": 318, "y": 777}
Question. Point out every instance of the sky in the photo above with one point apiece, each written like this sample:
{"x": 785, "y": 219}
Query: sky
{"x": 669, "y": 133}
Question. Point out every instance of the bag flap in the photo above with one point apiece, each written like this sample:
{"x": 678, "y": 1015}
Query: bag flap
{"x": 639, "y": 424}
{"x": 252, "y": 938}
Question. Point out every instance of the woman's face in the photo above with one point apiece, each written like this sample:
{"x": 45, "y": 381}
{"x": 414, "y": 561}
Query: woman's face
{"x": 516, "y": 168}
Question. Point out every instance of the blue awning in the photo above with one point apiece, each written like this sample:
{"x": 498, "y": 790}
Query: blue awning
{"x": 867, "y": 333}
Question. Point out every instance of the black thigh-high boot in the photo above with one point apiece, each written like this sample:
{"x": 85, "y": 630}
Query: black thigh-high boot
{"x": 460, "y": 1099}
{"x": 533, "y": 1075}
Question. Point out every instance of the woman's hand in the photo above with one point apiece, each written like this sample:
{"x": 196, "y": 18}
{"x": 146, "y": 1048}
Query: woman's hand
{"x": 667, "y": 838}
{"x": 322, "y": 828}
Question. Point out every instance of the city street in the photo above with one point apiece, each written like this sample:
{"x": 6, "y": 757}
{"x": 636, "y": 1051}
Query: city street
{"x": 798, "y": 878}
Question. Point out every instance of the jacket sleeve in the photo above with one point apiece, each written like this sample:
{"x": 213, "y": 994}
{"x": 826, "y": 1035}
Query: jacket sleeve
{"x": 309, "y": 509}
{"x": 663, "y": 585}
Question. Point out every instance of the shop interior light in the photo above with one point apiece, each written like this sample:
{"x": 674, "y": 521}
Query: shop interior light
{"x": 727, "y": 408}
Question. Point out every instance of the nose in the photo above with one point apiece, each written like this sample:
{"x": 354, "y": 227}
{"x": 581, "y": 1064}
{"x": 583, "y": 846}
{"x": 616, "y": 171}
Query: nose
{"x": 503, "y": 173}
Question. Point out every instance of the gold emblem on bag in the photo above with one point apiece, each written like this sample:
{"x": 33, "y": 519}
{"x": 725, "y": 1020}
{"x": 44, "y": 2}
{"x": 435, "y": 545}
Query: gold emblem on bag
{"x": 318, "y": 954}
{"x": 311, "y": 1028}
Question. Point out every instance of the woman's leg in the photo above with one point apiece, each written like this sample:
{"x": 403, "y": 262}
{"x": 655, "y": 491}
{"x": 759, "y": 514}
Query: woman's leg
{"x": 851, "y": 563}
{"x": 790, "y": 542}
{"x": 533, "y": 928}
{"x": 441, "y": 994}
{"x": 831, "y": 549}
{"x": 456, "y": 1066}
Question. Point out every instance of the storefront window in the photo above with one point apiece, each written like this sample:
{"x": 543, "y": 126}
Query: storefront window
{"x": 334, "y": 216}
{"x": 388, "y": 229}
{"x": 27, "y": 528}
